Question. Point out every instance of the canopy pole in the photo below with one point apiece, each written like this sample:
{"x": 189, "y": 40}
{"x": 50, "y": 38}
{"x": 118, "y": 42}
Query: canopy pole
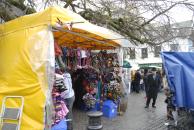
{"x": 74, "y": 33}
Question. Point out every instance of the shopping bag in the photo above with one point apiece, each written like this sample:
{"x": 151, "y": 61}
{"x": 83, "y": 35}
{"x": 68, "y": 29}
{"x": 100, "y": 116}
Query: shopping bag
{"x": 62, "y": 125}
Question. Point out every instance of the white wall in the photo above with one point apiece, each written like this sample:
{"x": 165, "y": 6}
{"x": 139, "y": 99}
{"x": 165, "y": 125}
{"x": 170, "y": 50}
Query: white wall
{"x": 185, "y": 45}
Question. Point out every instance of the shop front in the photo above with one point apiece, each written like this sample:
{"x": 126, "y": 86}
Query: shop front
{"x": 151, "y": 65}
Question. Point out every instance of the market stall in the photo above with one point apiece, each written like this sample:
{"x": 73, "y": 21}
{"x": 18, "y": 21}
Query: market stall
{"x": 29, "y": 54}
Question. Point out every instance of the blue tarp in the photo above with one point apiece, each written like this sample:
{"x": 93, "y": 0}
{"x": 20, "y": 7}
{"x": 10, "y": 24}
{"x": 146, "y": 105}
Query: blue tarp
{"x": 179, "y": 68}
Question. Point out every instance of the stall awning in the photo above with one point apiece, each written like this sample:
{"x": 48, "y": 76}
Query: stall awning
{"x": 126, "y": 64}
{"x": 70, "y": 29}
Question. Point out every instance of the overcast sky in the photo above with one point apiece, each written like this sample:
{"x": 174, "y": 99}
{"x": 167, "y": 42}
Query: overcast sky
{"x": 177, "y": 13}
{"x": 181, "y": 14}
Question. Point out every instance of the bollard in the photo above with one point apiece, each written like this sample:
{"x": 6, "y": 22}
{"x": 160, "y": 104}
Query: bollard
{"x": 94, "y": 121}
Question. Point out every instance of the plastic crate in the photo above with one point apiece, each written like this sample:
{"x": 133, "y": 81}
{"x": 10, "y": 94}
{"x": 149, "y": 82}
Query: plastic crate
{"x": 109, "y": 109}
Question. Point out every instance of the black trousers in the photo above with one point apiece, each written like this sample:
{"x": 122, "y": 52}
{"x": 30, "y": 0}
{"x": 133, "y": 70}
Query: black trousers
{"x": 149, "y": 99}
{"x": 136, "y": 86}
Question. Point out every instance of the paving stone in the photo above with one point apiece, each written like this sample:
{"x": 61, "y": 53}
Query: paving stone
{"x": 135, "y": 118}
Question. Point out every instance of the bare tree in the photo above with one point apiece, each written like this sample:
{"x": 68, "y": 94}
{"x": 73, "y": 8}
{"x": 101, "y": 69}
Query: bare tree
{"x": 11, "y": 9}
{"x": 124, "y": 16}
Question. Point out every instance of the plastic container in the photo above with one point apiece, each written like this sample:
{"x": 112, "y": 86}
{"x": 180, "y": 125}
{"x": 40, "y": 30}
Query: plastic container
{"x": 97, "y": 105}
{"x": 109, "y": 109}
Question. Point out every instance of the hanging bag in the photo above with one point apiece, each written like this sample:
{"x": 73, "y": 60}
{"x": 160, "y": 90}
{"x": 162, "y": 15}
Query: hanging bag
{"x": 79, "y": 57}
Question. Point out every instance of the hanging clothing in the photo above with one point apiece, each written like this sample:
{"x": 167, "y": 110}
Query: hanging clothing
{"x": 83, "y": 54}
{"x": 59, "y": 107}
{"x": 59, "y": 83}
{"x": 98, "y": 95}
{"x": 57, "y": 65}
{"x": 58, "y": 51}
{"x": 60, "y": 62}
{"x": 79, "y": 57}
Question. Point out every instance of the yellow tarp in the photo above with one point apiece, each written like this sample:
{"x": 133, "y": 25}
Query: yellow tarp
{"x": 53, "y": 15}
{"x": 27, "y": 57}
{"x": 23, "y": 64}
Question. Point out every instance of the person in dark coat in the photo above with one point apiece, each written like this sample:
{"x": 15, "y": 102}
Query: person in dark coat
{"x": 153, "y": 84}
{"x": 160, "y": 78}
{"x": 145, "y": 81}
{"x": 137, "y": 81}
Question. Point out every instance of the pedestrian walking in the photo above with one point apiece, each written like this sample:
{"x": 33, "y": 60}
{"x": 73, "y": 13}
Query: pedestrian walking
{"x": 137, "y": 81}
{"x": 153, "y": 84}
{"x": 142, "y": 87}
{"x": 145, "y": 77}
{"x": 160, "y": 79}
{"x": 132, "y": 81}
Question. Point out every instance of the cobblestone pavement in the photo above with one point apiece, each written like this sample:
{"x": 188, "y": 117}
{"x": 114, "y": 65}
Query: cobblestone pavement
{"x": 136, "y": 117}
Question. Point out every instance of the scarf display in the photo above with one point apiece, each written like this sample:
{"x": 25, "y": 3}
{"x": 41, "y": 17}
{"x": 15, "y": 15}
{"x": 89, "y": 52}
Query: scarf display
{"x": 74, "y": 58}
{"x": 60, "y": 109}
{"x": 107, "y": 64}
{"x": 95, "y": 76}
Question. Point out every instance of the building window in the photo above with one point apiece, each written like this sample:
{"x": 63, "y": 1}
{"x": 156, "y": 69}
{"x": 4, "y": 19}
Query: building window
{"x": 132, "y": 53}
{"x": 174, "y": 47}
{"x": 144, "y": 52}
{"x": 125, "y": 53}
{"x": 157, "y": 50}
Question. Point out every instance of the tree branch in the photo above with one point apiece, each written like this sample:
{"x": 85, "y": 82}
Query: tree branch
{"x": 159, "y": 14}
{"x": 68, "y": 3}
